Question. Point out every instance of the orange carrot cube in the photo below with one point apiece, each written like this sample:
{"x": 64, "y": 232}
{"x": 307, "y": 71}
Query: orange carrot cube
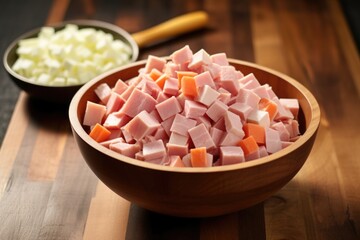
{"x": 99, "y": 133}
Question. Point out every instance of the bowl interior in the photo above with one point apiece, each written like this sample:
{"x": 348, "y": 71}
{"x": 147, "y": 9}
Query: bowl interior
{"x": 283, "y": 86}
{"x": 197, "y": 192}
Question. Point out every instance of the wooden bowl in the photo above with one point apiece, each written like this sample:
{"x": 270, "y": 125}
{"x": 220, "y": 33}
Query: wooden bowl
{"x": 198, "y": 192}
{"x": 59, "y": 94}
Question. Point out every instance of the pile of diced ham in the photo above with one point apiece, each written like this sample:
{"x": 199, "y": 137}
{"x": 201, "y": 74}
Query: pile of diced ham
{"x": 194, "y": 110}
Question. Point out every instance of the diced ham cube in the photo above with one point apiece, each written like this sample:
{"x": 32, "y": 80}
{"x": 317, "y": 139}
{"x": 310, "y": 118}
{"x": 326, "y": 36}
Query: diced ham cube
{"x": 126, "y": 149}
{"x": 233, "y": 124}
{"x": 114, "y": 103}
{"x": 217, "y": 110}
{"x": 103, "y": 92}
{"x": 199, "y": 59}
{"x": 231, "y": 155}
{"x": 171, "y": 87}
{"x": 94, "y": 113}
{"x": 261, "y": 91}
{"x": 168, "y": 108}
{"x": 182, "y": 55}
{"x": 160, "y": 133}
{"x": 207, "y": 95}
{"x": 220, "y": 58}
{"x": 181, "y": 125}
{"x": 262, "y": 151}
{"x": 193, "y": 109}
{"x": 137, "y": 102}
{"x": 178, "y": 139}
{"x": 120, "y": 86}
{"x": 283, "y": 132}
{"x": 154, "y": 62}
{"x": 248, "y": 97}
{"x": 201, "y": 137}
{"x": 225, "y": 95}
{"x": 153, "y": 150}
{"x": 175, "y": 161}
{"x": 272, "y": 140}
{"x": 151, "y": 88}
{"x": 249, "y": 81}
{"x": 205, "y": 120}
{"x": 112, "y": 141}
{"x": 176, "y": 149}
{"x": 230, "y": 139}
{"x": 126, "y": 94}
{"x": 283, "y": 112}
{"x": 214, "y": 70}
{"x": 203, "y": 79}
{"x": 171, "y": 69}
{"x": 167, "y": 124}
{"x": 220, "y": 124}
{"x": 292, "y": 104}
{"x": 259, "y": 117}
{"x": 241, "y": 109}
{"x": 187, "y": 160}
{"x": 142, "y": 125}
{"x": 228, "y": 78}
{"x": 116, "y": 120}
{"x": 217, "y": 135}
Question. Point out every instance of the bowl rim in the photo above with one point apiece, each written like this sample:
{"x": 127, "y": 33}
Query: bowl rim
{"x": 58, "y": 26}
{"x": 309, "y": 132}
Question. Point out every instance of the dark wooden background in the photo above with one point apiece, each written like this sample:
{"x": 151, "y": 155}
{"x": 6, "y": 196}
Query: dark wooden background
{"x": 48, "y": 192}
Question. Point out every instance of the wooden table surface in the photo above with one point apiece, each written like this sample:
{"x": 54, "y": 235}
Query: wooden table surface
{"x": 48, "y": 192}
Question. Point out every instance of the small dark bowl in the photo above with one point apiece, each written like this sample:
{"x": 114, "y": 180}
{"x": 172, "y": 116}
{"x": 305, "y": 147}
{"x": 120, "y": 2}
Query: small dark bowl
{"x": 60, "y": 94}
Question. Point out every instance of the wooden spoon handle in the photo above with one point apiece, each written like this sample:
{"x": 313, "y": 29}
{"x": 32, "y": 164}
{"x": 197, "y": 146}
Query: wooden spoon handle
{"x": 171, "y": 28}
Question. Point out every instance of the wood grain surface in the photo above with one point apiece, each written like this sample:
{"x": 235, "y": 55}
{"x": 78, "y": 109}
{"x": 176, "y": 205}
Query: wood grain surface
{"x": 48, "y": 192}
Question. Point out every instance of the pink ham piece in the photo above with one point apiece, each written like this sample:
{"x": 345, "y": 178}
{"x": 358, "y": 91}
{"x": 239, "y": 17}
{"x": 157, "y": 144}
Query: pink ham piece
{"x": 291, "y": 104}
{"x": 259, "y": 117}
{"x": 176, "y": 149}
{"x": 207, "y": 95}
{"x": 137, "y": 102}
{"x": 103, "y": 92}
{"x": 199, "y": 59}
{"x": 94, "y": 113}
{"x": 201, "y": 137}
{"x": 168, "y": 108}
{"x": 175, "y": 161}
{"x": 183, "y": 55}
{"x": 193, "y": 109}
{"x": 142, "y": 125}
{"x": 249, "y": 81}
{"x": 125, "y": 148}
{"x": 231, "y": 155}
{"x": 228, "y": 78}
{"x": 171, "y": 86}
{"x": 248, "y": 97}
{"x": 233, "y": 124}
{"x": 116, "y": 120}
{"x": 114, "y": 103}
{"x": 181, "y": 125}
{"x": 220, "y": 58}
{"x": 120, "y": 86}
{"x": 241, "y": 109}
{"x": 154, "y": 62}
{"x": 153, "y": 150}
{"x": 203, "y": 79}
{"x": 217, "y": 110}
{"x": 281, "y": 129}
{"x": 272, "y": 140}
